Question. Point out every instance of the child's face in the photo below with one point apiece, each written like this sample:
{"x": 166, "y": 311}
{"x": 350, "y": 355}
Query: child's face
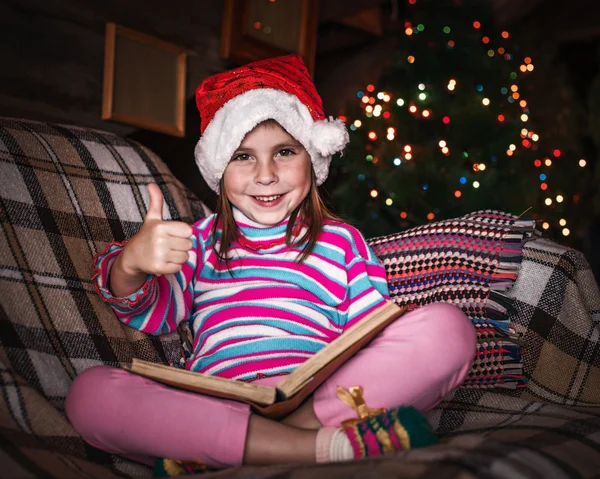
{"x": 268, "y": 176}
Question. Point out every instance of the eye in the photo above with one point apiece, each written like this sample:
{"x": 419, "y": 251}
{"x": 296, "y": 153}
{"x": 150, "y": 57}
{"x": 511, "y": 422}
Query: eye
{"x": 241, "y": 157}
{"x": 286, "y": 152}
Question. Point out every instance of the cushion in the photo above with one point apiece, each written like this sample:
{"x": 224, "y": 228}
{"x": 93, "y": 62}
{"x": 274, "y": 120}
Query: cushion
{"x": 470, "y": 262}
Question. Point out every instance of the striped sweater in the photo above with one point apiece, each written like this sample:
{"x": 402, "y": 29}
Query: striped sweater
{"x": 262, "y": 313}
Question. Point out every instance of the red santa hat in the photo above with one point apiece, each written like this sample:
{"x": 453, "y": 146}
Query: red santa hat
{"x": 232, "y": 103}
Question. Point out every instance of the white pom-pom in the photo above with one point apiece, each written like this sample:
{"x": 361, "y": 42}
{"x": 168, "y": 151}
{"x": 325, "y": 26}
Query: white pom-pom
{"x": 329, "y": 136}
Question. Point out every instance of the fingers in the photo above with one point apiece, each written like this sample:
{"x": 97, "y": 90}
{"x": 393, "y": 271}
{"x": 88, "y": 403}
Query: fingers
{"x": 177, "y": 257}
{"x": 170, "y": 262}
{"x": 156, "y": 203}
{"x": 174, "y": 262}
{"x": 179, "y": 229}
{"x": 169, "y": 230}
{"x": 171, "y": 268}
{"x": 180, "y": 244}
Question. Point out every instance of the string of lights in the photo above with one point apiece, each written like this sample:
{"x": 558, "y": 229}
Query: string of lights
{"x": 442, "y": 103}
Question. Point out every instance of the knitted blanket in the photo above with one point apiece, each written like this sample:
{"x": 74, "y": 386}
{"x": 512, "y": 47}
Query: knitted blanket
{"x": 470, "y": 262}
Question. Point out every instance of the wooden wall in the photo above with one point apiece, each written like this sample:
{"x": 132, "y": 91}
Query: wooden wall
{"x": 53, "y": 60}
{"x": 53, "y": 51}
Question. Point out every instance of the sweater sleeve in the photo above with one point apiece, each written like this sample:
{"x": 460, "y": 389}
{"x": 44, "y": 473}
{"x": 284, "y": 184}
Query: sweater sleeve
{"x": 367, "y": 282}
{"x": 162, "y": 302}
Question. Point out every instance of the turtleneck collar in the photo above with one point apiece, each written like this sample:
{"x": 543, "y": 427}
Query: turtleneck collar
{"x": 266, "y": 238}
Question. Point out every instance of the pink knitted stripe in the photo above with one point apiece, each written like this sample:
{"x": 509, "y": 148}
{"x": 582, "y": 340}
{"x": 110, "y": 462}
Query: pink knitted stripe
{"x": 259, "y": 366}
{"x": 250, "y": 311}
{"x": 342, "y": 240}
{"x": 207, "y": 230}
{"x": 332, "y": 238}
{"x": 155, "y": 319}
{"x": 229, "y": 281}
{"x": 358, "y": 317}
{"x": 318, "y": 277}
{"x": 256, "y": 357}
{"x": 395, "y": 440}
{"x": 326, "y": 259}
{"x": 356, "y": 270}
{"x": 375, "y": 271}
{"x": 187, "y": 271}
{"x": 252, "y": 293}
{"x": 356, "y": 442}
{"x": 289, "y": 353}
{"x": 362, "y": 269}
{"x": 141, "y": 303}
{"x": 216, "y": 347}
{"x": 372, "y": 446}
{"x": 358, "y": 242}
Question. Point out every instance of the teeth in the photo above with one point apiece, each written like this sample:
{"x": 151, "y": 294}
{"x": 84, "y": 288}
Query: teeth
{"x": 267, "y": 198}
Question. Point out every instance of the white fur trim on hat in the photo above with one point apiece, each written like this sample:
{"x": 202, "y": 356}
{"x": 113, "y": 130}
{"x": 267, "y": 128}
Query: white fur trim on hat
{"x": 226, "y": 131}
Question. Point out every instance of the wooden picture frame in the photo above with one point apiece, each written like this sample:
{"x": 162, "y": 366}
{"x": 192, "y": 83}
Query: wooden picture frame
{"x": 144, "y": 81}
{"x": 296, "y": 32}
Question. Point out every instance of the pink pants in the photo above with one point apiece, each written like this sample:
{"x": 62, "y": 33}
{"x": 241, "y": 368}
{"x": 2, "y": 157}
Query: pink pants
{"x": 417, "y": 360}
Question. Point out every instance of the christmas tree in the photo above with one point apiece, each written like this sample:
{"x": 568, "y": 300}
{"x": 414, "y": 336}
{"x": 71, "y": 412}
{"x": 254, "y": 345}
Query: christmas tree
{"x": 447, "y": 130}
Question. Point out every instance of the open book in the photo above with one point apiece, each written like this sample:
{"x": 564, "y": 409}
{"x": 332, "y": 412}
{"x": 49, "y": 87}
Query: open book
{"x": 278, "y": 401}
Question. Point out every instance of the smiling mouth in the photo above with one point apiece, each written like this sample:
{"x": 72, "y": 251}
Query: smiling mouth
{"x": 267, "y": 199}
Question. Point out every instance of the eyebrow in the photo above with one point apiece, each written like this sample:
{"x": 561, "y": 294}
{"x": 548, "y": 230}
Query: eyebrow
{"x": 278, "y": 146}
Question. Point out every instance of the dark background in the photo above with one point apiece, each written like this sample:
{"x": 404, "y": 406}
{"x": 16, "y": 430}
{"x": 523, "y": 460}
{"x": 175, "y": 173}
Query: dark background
{"x": 53, "y": 56}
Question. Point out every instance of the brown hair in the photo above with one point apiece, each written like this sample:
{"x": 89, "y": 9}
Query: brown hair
{"x": 312, "y": 210}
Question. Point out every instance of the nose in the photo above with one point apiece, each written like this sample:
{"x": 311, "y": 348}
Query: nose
{"x": 265, "y": 173}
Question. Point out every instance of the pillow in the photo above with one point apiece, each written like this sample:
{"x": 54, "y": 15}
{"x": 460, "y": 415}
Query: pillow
{"x": 470, "y": 262}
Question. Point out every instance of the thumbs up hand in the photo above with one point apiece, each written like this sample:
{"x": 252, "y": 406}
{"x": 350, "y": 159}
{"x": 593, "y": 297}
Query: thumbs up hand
{"x": 155, "y": 207}
{"x": 159, "y": 247}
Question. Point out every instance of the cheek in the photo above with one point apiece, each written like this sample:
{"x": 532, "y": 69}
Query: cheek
{"x": 303, "y": 172}
{"x": 231, "y": 180}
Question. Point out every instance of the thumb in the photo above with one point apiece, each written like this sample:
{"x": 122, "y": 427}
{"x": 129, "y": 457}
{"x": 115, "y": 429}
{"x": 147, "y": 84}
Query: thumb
{"x": 156, "y": 203}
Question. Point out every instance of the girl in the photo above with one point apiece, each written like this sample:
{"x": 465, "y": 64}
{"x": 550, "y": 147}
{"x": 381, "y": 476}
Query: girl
{"x": 266, "y": 282}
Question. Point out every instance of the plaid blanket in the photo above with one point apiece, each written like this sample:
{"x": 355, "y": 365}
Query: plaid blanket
{"x": 65, "y": 192}
{"x": 556, "y": 312}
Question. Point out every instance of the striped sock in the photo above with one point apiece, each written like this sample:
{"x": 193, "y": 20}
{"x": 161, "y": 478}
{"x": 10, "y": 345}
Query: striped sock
{"x": 398, "y": 429}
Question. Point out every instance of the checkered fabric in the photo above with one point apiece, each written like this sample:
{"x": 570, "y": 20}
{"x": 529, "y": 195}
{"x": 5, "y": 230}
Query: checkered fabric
{"x": 556, "y": 312}
{"x": 65, "y": 192}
